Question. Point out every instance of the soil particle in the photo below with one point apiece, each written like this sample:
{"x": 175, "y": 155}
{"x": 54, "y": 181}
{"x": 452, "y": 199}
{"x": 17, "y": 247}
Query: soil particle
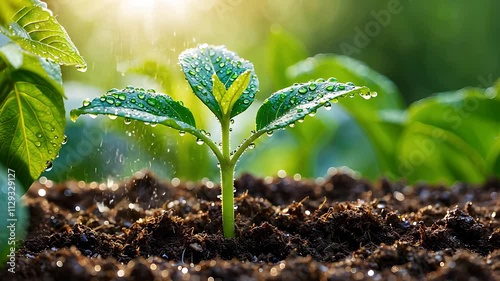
{"x": 337, "y": 228}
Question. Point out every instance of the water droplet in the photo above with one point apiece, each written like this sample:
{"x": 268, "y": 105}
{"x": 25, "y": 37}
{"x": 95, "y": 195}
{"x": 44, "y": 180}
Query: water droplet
{"x": 341, "y": 87}
{"x": 110, "y": 100}
{"x": 102, "y": 98}
{"x": 330, "y": 88}
{"x": 122, "y": 97}
{"x": 127, "y": 121}
{"x": 39, "y": 135}
{"x": 81, "y": 68}
{"x": 37, "y": 26}
{"x": 133, "y": 100}
{"x": 93, "y": 116}
{"x": 141, "y": 96}
{"x": 191, "y": 72}
{"x": 65, "y": 140}
{"x": 182, "y": 133}
{"x": 319, "y": 80}
{"x": 335, "y": 100}
{"x": 49, "y": 166}
{"x": 222, "y": 64}
{"x": 86, "y": 102}
{"x": 56, "y": 137}
{"x": 199, "y": 141}
{"x": 270, "y": 133}
{"x": 349, "y": 84}
{"x": 112, "y": 117}
{"x": 313, "y": 113}
{"x": 302, "y": 90}
{"x": 312, "y": 87}
{"x": 151, "y": 91}
{"x": 328, "y": 106}
{"x": 246, "y": 101}
{"x": 151, "y": 102}
{"x": 251, "y": 145}
{"x": 231, "y": 121}
{"x": 332, "y": 79}
{"x": 292, "y": 125}
{"x": 235, "y": 75}
{"x": 373, "y": 94}
{"x": 38, "y": 144}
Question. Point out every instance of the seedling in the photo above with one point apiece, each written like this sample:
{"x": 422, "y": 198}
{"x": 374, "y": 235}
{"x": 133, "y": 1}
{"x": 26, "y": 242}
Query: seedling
{"x": 227, "y": 85}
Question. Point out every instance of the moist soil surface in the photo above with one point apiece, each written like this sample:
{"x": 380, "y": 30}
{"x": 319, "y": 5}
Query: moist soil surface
{"x": 335, "y": 228}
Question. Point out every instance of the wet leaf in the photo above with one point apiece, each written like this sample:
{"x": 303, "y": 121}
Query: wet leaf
{"x": 200, "y": 63}
{"x": 294, "y": 103}
{"x": 36, "y": 30}
{"x": 142, "y": 105}
{"x": 32, "y": 112}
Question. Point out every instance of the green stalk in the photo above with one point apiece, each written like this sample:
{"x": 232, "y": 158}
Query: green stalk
{"x": 227, "y": 181}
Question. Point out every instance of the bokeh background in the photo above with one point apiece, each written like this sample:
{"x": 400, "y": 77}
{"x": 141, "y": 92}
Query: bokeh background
{"x": 424, "y": 47}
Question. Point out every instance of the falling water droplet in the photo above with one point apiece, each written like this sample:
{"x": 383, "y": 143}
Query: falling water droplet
{"x": 199, "y": 141}
{"x": 112, "y": 116}
{"x": 251, "y": 145}
{"x": 81, "y": 68}
{"x": 127, "y": 121}
{"x": 270, "y": 133}
{"x": 182, "y": 133}
{"x": 49, "y": 166}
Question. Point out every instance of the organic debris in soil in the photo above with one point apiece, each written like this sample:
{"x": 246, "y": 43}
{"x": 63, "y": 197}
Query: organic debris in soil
{"x": 339, "y": 228}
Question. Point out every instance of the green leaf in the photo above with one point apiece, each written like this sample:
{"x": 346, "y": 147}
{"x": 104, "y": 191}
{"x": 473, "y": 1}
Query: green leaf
{"x": 294, "y": 103}
{"x": 32, "y": 118}
{"x": 139, "y": 104}
{"x": 451, "y": 136}
{"x": 200, "y": 63}
{"x": 36, "y": 30}
{"x": 381, "y": 119}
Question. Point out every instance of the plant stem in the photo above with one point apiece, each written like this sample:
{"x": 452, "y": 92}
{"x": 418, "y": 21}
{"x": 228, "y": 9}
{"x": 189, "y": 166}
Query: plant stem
{"x": 244, "y": 146}
{"x": 227, "y": 181}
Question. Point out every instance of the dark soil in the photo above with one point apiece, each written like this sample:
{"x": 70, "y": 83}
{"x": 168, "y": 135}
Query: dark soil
{"x": 339, "y": 228}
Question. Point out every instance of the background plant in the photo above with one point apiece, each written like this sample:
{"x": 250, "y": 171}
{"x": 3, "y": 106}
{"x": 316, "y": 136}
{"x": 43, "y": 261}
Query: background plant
{"x": 32, "y": 121}
{"x": 227, "y": 85}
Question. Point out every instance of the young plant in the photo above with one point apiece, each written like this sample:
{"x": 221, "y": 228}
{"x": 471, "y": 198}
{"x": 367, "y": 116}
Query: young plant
{"x": 227, "y": 85}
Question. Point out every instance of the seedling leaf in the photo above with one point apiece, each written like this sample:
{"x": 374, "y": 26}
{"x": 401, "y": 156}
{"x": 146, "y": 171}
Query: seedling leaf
{"x": 36, "y": 30}
{"x": 201, "y": 63}
{"x": 291, "y": 104}
{"x": 142, "y": 105}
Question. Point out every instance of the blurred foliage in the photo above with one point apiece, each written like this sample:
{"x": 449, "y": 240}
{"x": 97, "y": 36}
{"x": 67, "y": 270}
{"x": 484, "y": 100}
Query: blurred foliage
{"x": 424, "y": 47}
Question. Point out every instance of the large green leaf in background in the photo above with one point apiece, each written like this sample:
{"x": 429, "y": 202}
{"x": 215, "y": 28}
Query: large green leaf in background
{"x": 32, "y": 118}
{"x": 381, "y": 119}
{"x": 452, "y": 136}
{"x": 283, "y": 50}
{"x": 34, "y": 28}
{"x": 200, "y": 63}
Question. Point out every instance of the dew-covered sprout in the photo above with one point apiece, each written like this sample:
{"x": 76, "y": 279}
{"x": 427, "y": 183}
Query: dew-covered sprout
{"x": 227, "y": 85}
